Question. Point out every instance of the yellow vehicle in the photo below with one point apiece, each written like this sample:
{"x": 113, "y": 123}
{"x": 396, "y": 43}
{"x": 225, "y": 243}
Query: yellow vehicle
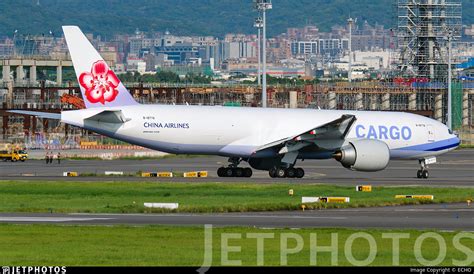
{"x": 13, "y": 155}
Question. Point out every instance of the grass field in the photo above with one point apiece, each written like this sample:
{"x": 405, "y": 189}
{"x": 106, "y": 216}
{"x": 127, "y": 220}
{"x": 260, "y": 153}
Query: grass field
{"x": 128, "y": 197}
{"x": 466, "y": 146}
{"x": 184, "y": 246}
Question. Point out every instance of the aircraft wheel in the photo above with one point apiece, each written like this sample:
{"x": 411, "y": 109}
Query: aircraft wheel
{"x": 425, "y": 174}
{"x": 272, "y": 172}
{"x": 229, "y": 172}
{"x": 221, "y": 172}
{"x": 239, "y": 172}
{"x": 248, "y": 172}
{"x": 419, "y": 174}
{"x": 299, "y": 173}
{"x": 291, "y": 172}
{"x": 281, "y": 172}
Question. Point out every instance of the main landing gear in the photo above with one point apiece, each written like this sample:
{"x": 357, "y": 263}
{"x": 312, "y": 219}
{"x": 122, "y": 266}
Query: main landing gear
{"x": 281, "y": 172}
{"x": 233, "y": 170}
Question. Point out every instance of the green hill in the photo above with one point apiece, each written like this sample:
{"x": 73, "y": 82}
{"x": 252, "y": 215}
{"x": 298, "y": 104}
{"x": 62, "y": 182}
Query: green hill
{"x": 197, "y": 17}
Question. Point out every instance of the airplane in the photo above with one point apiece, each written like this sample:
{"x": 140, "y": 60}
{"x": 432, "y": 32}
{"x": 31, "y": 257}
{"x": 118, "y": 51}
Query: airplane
{"x": 267, "y": 139}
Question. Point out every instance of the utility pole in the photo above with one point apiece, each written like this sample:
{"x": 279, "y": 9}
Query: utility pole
{"x": 350, "y": 22}
{"x": 263, "y": 6}
{"x": 259, "y": 53}
{"x": 259, "y": 25}
{"x": 14, "y": 42}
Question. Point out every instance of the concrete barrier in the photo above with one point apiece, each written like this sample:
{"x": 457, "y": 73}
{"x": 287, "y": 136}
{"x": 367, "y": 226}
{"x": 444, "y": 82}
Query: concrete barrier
{"x": 165, "y": 174}
{"x": 309, "y": 200}
{"x": 162, "y": 205}
{"x": 149, "y": 174}
{"x": 339, "y": 200}
{"x": 421, "y": 197}
{"x": 70, "y": 174}
{"x": 149, "y": 154}
{"x": 108, "y": 156}
{"x": 157, "y": 174}
{"x": 325, "y": 199}
{"x": 195, "y": 174}
{"x": 119, "y": 173}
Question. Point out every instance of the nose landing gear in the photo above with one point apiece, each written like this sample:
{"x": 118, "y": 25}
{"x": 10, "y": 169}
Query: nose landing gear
{"x": 423, "y": 173}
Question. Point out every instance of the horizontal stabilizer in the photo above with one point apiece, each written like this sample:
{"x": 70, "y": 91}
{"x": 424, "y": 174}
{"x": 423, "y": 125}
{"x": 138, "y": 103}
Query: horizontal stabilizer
{"x": 109, "y": 116}
{"x": 46, "y": 115}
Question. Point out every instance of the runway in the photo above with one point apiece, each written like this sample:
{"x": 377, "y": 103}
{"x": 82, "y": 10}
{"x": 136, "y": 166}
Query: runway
{"x": 441, "y": 217}
{"x": 453, "y": 169}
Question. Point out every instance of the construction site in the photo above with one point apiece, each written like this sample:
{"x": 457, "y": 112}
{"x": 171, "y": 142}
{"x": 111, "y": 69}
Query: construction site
{"x": 424, "y": 99}
{"x": 427, "y": 31}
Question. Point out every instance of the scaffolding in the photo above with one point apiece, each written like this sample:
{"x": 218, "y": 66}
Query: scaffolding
{"x": 423, "y": 27}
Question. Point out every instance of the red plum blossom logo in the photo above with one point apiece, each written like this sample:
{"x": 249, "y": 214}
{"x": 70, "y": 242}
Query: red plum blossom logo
{"x": 100, "y": 84}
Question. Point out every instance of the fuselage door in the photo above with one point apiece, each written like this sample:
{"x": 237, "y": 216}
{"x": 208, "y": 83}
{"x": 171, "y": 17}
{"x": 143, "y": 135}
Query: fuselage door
{"x": 431, "y": 133}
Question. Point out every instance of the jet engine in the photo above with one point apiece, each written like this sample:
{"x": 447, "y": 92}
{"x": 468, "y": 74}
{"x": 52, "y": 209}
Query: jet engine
{"x": 364, "y": 155}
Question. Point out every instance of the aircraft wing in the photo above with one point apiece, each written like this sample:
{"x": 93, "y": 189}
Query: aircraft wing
{"x": 46, "y": 115}
{"x": 334, "y": 130}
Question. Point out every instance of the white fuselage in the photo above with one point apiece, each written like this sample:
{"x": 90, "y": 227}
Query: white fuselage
{"x": 234, "y": 131}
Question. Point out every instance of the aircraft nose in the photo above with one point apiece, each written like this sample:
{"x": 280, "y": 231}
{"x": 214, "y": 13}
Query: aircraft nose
{"x": 454, "y": 136}
{"x": 457, "y": 139}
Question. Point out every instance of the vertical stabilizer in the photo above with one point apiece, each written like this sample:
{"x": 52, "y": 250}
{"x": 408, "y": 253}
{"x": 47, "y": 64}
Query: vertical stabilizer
{"x": 100, "y": 87}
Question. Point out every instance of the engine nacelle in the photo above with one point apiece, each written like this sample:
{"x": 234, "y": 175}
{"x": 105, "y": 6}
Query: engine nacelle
{"x": 364, "y": 155}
